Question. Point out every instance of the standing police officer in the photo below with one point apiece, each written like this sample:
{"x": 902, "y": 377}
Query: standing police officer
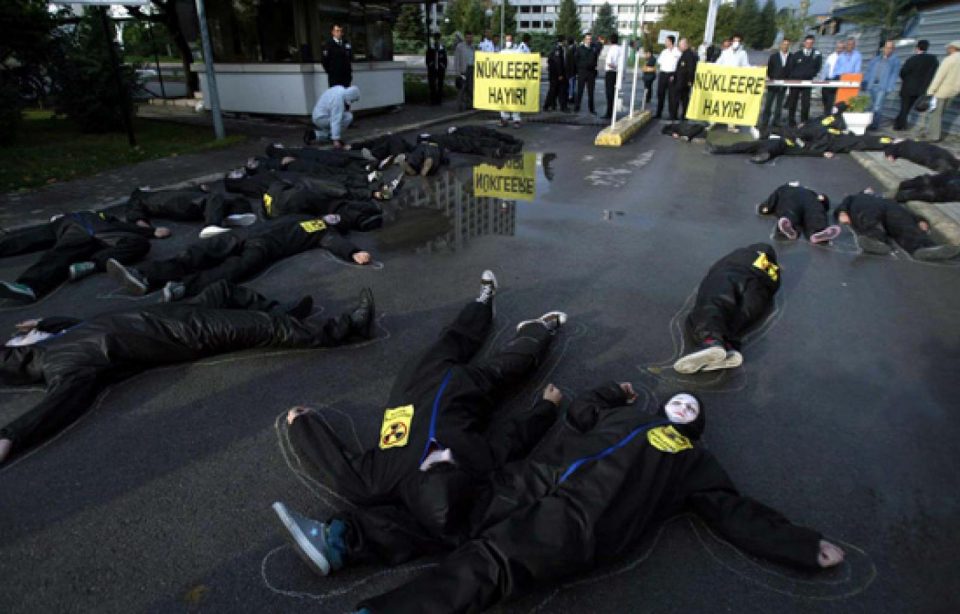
{"x": 436, "y": 68}
{"x": 336, "y": 59}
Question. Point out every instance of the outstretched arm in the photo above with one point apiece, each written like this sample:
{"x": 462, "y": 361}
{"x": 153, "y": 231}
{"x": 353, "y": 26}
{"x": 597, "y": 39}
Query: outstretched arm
{"x": 585, "y": 410}
{"x": 528, "y": 428}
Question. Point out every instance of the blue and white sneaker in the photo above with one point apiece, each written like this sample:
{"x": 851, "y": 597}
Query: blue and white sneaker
{"x": 320, "y": 545}
{"x": 130, "y": 278}
{"x": 17, "y": 292}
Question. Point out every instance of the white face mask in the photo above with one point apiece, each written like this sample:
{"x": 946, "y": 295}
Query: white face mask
{"x": 682, "y": 409}
{"x": 735, "y": 45}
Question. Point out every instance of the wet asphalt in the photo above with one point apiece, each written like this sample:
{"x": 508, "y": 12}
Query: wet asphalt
{"x": 158, "y": 500}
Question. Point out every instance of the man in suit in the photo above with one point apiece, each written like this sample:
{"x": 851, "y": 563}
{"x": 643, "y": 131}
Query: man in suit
{"x": 804, "y": 64}
{"x": 337, "y": 56}
{"x": 557, "y": 70}
{"x": 585, "y": 59}
{"x": 917, "y": 73}
{"x": 683, "y": 79}
{"x": 776, "y": 69}
{"x": 436, "y": 68}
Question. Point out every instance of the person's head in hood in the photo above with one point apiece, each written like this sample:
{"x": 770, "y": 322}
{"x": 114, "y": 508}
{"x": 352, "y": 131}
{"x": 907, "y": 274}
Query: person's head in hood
{"x": 685, "y": 413}
{"x": 351, "y": 94}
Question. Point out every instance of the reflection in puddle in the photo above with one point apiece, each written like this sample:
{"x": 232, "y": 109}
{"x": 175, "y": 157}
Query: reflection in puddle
{"x": 446, "y": 211}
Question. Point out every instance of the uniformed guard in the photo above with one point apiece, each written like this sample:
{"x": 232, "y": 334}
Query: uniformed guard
{"x": 336, "y": 59}
{"x": 436, "y": 68}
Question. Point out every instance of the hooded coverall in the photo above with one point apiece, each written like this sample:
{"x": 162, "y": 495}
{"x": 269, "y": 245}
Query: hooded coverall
{"x": 925, "y": 154}
{"x": 881, "y": 218}
{"x": 83, "y": 236}
{"x": 236, "y": 258}
{"x": 940, "y": 188}
{"x": 438, "y": 401}
{"x": 187, "y": 204}
{"x": 331, "y": 112}
{"x": 802, "y": 206}
{"x": 82, "y": 359}
{"x": 736, "y": 293}
{"x": 587, "y": 495}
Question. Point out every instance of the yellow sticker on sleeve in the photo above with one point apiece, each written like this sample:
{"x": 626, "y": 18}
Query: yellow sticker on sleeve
{"x": 313, "y": 225}
{"x": 668, "y": 439}
{"x": 268, "y": 204}
{"x": 763, "y": 263}
{"x": 395, "y": 428}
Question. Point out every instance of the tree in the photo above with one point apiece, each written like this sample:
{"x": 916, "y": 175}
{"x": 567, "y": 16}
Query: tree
{"x": 748, "y": 22}
{"x": 568, "y": 20}
{"x": 794, "y": 23}
{"x": 165, "y": 12}
{"x": 410, "y": 23}
{"x": 145, "y": 38}
{"x": 466, "y": 16}
{"x": 510, "y": 18}
{"x": 689, "y": 17}
{"x": 888, "y": 15}
{"x": 606, "y": 22}
{"x": 768, "y": 25}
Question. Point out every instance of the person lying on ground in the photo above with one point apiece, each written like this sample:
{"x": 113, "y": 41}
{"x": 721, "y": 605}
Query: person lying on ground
{"x": 189, "y": 205}
{"x": 940, "y": 188}
{"x": 476, "y": 140}
{"x": 685, "y": 130}
{"x": 878, "y": 220}
{"x": 76, "y": 245}
{"x": 425, "y": 158}
{"x": 236, "y": 258}
{"x": 808, "y": 130}
{"x": 78, "y": 359}
{"x": 587, "y": 495}
{"x": 347, "y": 186}
{"x": 799, "y": 209}
{"x": 932, "y": 156}
{"x": 765, "y": 150}
{"x": 736, "y": 294}
{"x": 436, "y": 439}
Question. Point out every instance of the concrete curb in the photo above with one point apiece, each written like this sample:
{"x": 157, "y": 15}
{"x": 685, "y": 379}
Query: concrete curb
{"x": 622, "y": 130}
{"x": 943, "y": 228}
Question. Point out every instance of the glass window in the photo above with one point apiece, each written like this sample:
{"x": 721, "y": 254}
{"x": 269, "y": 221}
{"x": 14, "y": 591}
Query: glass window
{"x": 524, "y": 9}
{"x": 537, "y": 9}
{"x": 535, "y": 24}
{"x": 524, "y": 24}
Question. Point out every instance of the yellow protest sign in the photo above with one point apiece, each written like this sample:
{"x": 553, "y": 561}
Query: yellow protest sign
{"x": 507, "y": 82}
{"x": 727, "y": 94}
{"x": 515, "y": 180}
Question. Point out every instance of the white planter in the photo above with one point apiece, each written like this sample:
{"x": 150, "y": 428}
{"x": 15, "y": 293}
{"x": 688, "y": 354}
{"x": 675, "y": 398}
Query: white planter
{"x": 857, "y": 122}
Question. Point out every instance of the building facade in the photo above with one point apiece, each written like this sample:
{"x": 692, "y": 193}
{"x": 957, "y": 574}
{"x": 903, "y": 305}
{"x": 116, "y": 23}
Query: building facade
{"x": 541, "y": 15}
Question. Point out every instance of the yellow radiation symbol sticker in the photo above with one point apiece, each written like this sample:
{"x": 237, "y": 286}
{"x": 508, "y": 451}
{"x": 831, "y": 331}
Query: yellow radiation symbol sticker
{"x": 763, "y": 263}
{"x": 667, "y": 439}
{"x": 313, "y": 225}
{"x": 886, "y": 140}
{"x": 268, "y": 204}
{"x": 395, "y": 429}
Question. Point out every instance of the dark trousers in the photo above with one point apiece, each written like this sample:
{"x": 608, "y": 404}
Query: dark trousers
{"x": 610, "y": 89}
{"x": 681, "y": 100}
{"x": 186, "y": 205}
{"x": 665, "y": 88}
{"x": 728, "y": 303}
{"x": 803, "y": 95}
{"x": 411, "y": 509}
{"x": 808, "y": 215}
{"x": 772, "y": 107}
{"x": 465, "y": 96}
{"x": 223, "y": 257}
{"x": 556, "y": 92}
{"x": 906, "y": 105}
{"x": 897, "y": 223}
{"x": 942, "y": 187}
{"x": 587, "y": 82}
{"x": 67, "y": 245}
{"x": 828, "y": 95}
{"x": 435, "y": 83}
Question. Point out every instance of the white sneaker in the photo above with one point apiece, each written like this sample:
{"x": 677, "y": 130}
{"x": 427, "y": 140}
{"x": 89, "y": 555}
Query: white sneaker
{"x": 488, "y": 287}
{"x": 701, "y": 359}
{"x": 732, "y": 360}
{"x": 212, "y": 231}
{"x": 240, "y": 219}
{"x": 755, "y": 134}
{"x": 553, "y": 320}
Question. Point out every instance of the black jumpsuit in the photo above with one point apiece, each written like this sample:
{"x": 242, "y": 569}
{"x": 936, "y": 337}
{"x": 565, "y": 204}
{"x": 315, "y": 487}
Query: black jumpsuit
{"x": 881, "y": 218}
{"x": 77, "y": 364}
{"x": 452, "y": 404}
{"x": 235, "y": 257}
{"x": 83, "y": 236}
{"x": 940, "y": 188}
{"x": 585, "y": 496}
{"x": 925, "y": 154}
{"x": 802, "y": 206}
{"x": 736, "y": 293}
{"x": 187, "y": 204}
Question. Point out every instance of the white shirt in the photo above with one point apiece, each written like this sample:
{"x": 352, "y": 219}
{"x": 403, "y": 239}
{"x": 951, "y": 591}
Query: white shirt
{"x": 486, "y": 45}
{"x": 828, "y": 65}
{"x": 667, "y": 60}
{"x": 729, "y": 57}
{"x": 613, "y": 57}
{"x": 523, "y": 48}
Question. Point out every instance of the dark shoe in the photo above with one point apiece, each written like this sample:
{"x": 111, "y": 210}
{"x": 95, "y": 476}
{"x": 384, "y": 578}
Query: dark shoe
{"x": 873, "y": 246}
{"x": 173, "y": 291}
{"x": 309, "y": 137}
{"x": 712, "y": 354}
{"x": 937, "y": 252}
{"x": 786, "y": 229}
{"x": 130, "y": 278}
{"x": 315, "y": 541}
{"x": 17, "y": 292}
{"x": 826, "y": 235}
{"x": 362, "y": 317}
{"x": 79, "y": 270}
